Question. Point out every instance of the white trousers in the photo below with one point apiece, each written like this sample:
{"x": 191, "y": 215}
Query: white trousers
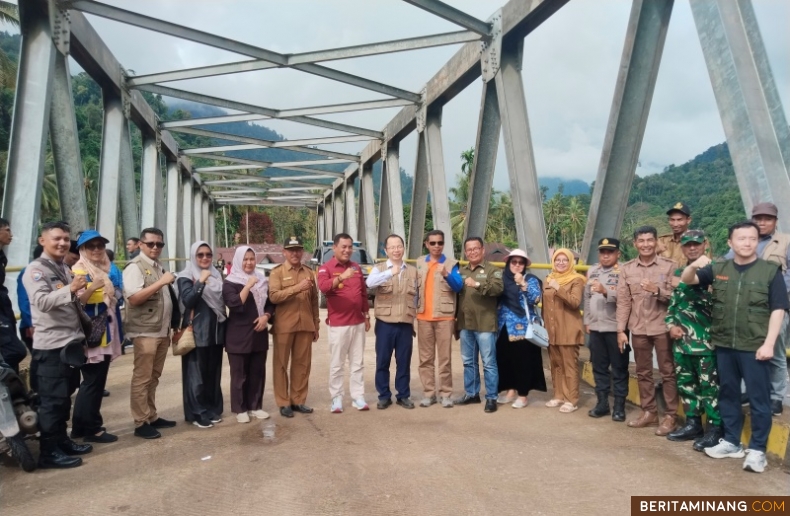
{"x": 347, "y": 343}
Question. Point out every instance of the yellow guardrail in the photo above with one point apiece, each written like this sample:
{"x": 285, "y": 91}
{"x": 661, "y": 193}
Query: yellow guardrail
{"x": 17, "y": 268}
{"x": 542, "y": 266}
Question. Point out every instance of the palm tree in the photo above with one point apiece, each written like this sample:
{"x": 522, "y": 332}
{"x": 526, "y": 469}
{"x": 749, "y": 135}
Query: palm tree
{"x": 9, "y": 14}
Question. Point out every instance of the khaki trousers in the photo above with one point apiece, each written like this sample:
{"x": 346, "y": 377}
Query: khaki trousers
{"x": 565, "y": 372}
{"x": 149, "y": 360}
{"x": 347, "y": 343}
{"x": 643, "y": 356}
{"x": 434, "y": 342}
{"x": 298, "y": 346}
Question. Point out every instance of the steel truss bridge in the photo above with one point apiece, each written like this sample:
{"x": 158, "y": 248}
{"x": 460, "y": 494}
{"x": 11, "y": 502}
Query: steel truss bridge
{"x": 184, "y": 200}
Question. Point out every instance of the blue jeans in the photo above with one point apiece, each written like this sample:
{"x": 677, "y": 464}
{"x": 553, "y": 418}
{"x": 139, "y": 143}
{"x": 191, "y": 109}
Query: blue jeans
{"x": 485, "y": 343}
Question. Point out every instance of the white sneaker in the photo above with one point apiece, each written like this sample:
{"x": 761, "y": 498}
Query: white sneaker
{"x": 520, "y": 404}
{"x": 242, "y": 417}
{"x": 447, "y": 402}
{"x": 725, "y": 449}
{"x": 360, "y": 404}
{"x": 337, "y": 405}
{"x": 427, "y": 402}
{"x": 755, "y": 461}
{"x": 260, "y": 414}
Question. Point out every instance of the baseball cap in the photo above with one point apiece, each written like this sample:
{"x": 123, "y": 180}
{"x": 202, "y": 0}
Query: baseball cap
{"x": 88, "y": 235}
{"x": 609, "y": 243}
{"x": 682, "y": 207}
{"x": 693, "y": 235}
{"x": 765, "y": 208}
{"x": 293, "y": 242}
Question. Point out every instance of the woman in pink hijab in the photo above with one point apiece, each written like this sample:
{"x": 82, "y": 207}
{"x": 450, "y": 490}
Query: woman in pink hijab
{"x": 245, "y": 292}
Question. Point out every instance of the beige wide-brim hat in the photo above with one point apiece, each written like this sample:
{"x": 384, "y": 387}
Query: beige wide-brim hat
{"x": 519, "y": 253}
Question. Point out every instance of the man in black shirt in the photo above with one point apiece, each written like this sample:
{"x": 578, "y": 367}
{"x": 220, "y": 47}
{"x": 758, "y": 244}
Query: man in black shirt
{"x": 11, "y": 347}
{"x": 749, "y": 304}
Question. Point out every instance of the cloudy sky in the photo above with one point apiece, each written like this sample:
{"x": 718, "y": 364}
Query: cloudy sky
{"x": 570, "y": 68}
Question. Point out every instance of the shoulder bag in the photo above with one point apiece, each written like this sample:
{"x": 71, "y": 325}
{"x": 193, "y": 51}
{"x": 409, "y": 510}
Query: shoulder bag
{"x": 183, "y": 340}
{"x": 536, "y": 333}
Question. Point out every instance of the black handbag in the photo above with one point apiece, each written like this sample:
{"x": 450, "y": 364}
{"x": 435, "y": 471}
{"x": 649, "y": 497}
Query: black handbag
{"x": 94, "y": 334}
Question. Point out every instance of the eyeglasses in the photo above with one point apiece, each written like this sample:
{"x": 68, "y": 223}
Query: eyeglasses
{"x": 204, "y": 255}
{"x": 396, "y": 248}
{"x": 438, "y": 242}
{"x": 95, "y": 246}
{"x": 151, "y": 245}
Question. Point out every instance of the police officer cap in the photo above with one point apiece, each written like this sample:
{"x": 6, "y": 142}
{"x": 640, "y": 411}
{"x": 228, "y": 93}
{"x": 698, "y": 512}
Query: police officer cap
{"x": 682, "y": 207}
{"x": 693, "y": 236}
{"x": 73, "y": 354}
{"x": 609, "y": 243}
{"x": 293, "y": 242}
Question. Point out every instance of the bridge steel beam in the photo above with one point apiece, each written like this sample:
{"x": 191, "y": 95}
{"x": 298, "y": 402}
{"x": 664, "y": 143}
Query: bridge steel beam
{"x": 130, "y": 208}
{"x": 329, "y": 217}
{"x": 197, "y": 214}
{"x": 636, "y": 80}
{"x": 481, "y": 179}
{"x": 173, "y": 236}
{"x": 350, "y": 226}
{"x": 385, "y": 214}
{"x": 527, "y": 205}
{"x": 338, "y": 204}
{"x": 205, "y": 223}
{"x": 367, "y": 209}
{"x": 419, "y": 201}
{"x": 110, "y": 167}
{"x": 434, "y": 155}
{"x": 749, "y": 104}
{"x": 66, "y": 149}
{"x": 150, "y": 184}
{"x": 29, "y": 128}
{"x": 392, "y": 165}
{"x": 453, "y": 15}
{"x": 319, "y": 225}
{"x": 187, "y": 213}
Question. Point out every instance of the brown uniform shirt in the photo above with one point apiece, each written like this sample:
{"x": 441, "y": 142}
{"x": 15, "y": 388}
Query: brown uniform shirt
{"x": 638, "y": 310}
{"x": 296, "y": 310}
{"x": 672, "y": 250}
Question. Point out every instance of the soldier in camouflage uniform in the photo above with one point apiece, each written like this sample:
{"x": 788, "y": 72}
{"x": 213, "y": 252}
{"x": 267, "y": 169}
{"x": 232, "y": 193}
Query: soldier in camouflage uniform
{"x": 688, "y": 321}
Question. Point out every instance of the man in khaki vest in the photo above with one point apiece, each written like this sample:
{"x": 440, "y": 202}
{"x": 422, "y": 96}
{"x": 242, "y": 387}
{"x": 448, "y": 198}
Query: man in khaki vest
{"x": 395, "y": 307}
{"x": 774, "y": 246}
{"x": 439, "y": 284}
{"x": 150, "y": 314}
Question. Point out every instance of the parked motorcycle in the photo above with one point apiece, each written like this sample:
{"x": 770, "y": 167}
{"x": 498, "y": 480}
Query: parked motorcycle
{"x": 17, "y": 419}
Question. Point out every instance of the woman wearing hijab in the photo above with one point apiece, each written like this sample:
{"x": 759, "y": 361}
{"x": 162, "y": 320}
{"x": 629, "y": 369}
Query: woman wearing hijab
{"x": 249, "y": 312}
{"x": 199, "y": 288}
{"x": 100, "y": 295}
{"x": 562, "y": 297}
{"x": 520, "y": 362}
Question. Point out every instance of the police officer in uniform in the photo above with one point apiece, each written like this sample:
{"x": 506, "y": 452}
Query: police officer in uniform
{"x": 669, "y": 245}
{"x": 688, "y": 321}
{"x": 59, "y": 342}
{"x": 600, "y": 322}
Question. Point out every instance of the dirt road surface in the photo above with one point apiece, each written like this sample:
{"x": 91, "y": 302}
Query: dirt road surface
{"x": 396, "y": 461}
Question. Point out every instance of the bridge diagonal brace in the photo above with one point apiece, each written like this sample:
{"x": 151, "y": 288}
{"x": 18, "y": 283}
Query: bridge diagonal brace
{"x": 491, "y": 48}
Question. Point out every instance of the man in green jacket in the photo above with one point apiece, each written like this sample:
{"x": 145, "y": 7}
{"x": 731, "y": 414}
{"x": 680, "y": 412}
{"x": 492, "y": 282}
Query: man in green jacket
{"x": 749, "y": 304}
{"x": 477, "y": 324}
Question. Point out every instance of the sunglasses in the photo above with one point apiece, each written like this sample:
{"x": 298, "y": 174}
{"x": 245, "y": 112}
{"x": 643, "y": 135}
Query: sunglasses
{"x": 151, "y": 245}
{"x": 518, "y": 262}
{"x": 204, "y": 255}
{"x": 95, "y": 246}
{"x": 438, "y": 242}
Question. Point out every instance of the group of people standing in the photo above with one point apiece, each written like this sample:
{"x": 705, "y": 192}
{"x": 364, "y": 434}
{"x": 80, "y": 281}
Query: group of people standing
{"x": 710, "y": 325}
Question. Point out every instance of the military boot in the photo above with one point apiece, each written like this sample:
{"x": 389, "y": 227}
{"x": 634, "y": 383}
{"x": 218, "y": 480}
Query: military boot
{"x": 692, "y": 429}
{"x": 618, "y": 411}
{"x": 601, "y": 408}
{"x": 711, "y": 438}
{"x": 53, "y": 457}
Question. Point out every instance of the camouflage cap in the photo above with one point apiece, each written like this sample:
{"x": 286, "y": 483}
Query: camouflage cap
{"x": 693, "y": 236}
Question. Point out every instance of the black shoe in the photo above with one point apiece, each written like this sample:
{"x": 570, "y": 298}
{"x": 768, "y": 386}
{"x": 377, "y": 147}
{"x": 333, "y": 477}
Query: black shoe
{"x": 468, "y": 400}
{"x": 490, "y": 406}
{"x": 78, "y": 434}
{"x": 105, "y": 394}
{"x": 405, "y": 403}
{"x": 618, "y": 411}
{"x": 710, "y": 439}
{"x": 103, "y": 437}
{"x": 691, "y": 430}
{"x": 382, "y": 404}
{"x": 776, "y": 407}
{"x": 215, "y": 418}
{"x": 69, "y": 447}
{"x": 147, "y": 431}
{"x": 601, "y": 409}
{"x": 56, "y": 459}
{"x": 162, "y": 423}
{"x": 286, "y": 412}
{"x": 302, "y": 408}
{"x": 203, "y": 422}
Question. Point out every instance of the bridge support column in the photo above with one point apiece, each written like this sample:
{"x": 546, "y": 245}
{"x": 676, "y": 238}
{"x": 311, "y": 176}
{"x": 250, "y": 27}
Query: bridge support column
{"x": 351, "y": 208}
{"x": 644, "y": 44}
{"x": 419, "y": 201}
{"x": 751, "y": 110}
{"x": 150, "y": 183}
{"x": 29, "y": 127}
{"x": 367, "y": 208}
{"x": 66, "y": 149}
{"x": 197, "y": 215}
{"x": 173, "y": 236}
{"x": 205, "y": 222}
{"x": 527, "y": 203}
{"x": 338, "y": 203}
{"x": 109, "y": 181}
{"x": 187, "y": 214}
{"x": 329, "y": 216}
{"x": 392, "y": 166}
{"x": 481, "y": 178}
{"x": 130, "y": 208}
{"x": 385, "y": 215}
{"x": 212, "y": 225}
{"x": 440, "y": 202}
{"x": 319, "y": 219}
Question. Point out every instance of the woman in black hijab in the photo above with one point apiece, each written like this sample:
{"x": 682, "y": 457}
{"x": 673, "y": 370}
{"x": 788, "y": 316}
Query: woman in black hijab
{"x": 520, "y": 362}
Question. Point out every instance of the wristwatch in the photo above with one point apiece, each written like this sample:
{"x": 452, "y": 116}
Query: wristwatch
{"x": 477, "y": 284}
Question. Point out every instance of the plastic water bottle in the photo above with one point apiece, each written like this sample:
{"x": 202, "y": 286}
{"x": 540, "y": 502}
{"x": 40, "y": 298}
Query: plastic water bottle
{"x": 268, "y": 430}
